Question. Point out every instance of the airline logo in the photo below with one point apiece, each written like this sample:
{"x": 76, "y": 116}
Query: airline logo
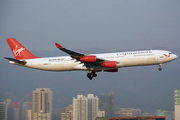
{"x": 17, "y": 52}
{"x": 166, "y": 56}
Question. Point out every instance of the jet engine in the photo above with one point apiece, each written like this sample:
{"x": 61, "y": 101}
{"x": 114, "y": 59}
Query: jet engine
{"x": 88, "y": 59}
{"x": 109, "y": 64}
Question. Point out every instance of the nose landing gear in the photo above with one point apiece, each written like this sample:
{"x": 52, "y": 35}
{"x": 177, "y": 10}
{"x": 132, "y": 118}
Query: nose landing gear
{"x": 160, "y": 65}
{"x": 91, "y": 74}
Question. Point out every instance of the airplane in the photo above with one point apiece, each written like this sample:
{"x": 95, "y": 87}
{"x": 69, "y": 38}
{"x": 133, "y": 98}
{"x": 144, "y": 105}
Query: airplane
{"x": 93, "y": 63}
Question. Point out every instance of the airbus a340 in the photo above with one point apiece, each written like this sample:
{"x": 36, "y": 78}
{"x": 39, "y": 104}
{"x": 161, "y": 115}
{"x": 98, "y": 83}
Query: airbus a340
{"x": 108, "y": 62}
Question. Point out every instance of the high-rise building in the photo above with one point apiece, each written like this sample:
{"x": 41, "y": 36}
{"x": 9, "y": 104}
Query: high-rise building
{"x": 106, "y": 103}
{"x": 42, "y": 104}
{"x": 25, "y": 107}
{"x": 66, "y": 116}
{"x": 80, "y": 108}
{"x": 93, "y": 106}
{"x": 15, "y": 111}
{"x": 29, "y": 112}
{"x": 177, "y": 104}
{"x": 165, "y": 113}
{"x": 173, "y": 116}
{"x": 69, "y": 108}
{"x": 85, "y": 108}
{"x": 68, "y": 113}
{"x": 101, "y": 113}
{"x": 4, "y": 109}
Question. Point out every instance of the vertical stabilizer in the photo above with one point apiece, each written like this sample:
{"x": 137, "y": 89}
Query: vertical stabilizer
{"x": 19, "y": 51}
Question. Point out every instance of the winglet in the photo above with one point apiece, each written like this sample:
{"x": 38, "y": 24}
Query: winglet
{"x": 58, "y": 46}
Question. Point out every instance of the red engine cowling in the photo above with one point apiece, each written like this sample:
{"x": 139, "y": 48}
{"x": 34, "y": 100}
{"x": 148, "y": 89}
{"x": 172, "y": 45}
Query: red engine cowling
{"x": 88, "y": 59}
{"x": 109, "y": 64}
{"x": 111, "y": 70}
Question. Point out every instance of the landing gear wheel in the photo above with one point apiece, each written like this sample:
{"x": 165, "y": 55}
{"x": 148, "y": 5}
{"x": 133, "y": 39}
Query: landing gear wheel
{"x": 159, "y": 69}
{"x": 94, "y": 74}
{"x": 91, "y": 74}
{"x": 90, "y": 78}
{"x": 160, "y": 65}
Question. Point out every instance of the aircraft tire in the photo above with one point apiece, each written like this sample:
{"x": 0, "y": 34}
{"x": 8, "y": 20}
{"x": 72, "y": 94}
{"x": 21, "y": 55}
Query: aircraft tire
{"x": 90, "y": 78}
{"x": 94, "y": 75}
{"x": 159, "y": 69}
{"x": 89, "y": 75}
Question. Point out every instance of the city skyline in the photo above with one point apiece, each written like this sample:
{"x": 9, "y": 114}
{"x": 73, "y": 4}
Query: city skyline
{"x": 69, "y": 101}
{"x": 29, "y": 101}
{"x": 120, "y": 112}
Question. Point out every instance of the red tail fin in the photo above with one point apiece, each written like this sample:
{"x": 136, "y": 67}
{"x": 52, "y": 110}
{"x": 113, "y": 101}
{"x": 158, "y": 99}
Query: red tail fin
{"x": 19, "y": 51}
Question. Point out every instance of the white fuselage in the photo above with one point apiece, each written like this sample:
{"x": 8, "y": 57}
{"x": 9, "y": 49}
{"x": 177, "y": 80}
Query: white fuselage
{"x": 123, "y": 59}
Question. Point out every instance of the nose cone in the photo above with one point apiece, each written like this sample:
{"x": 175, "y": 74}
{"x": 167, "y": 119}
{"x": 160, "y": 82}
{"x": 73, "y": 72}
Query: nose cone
{"x": 174, "y": 56}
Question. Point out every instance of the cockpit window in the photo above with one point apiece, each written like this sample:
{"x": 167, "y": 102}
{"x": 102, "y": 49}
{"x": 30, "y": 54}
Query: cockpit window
{"x": 169, "y": 53}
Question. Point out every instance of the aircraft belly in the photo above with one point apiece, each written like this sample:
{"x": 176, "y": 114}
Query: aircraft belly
{"x": 51, "y": 66}
{"x": 140, "y": 61}
{"x": 36, "y": 65}
{"x": 64, "y": 66}
{"x": 80, "y": 67}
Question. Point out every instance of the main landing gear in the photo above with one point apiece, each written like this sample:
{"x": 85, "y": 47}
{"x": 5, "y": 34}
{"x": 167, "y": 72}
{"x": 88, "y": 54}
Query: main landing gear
{"x": 91, "y": 74}
{"x": 160, "y": 65}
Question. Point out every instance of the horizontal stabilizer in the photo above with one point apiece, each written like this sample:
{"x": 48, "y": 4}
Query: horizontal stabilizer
{"x": 16, "y": 61}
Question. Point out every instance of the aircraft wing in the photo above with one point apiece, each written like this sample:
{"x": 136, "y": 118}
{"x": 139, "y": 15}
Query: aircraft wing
{"x": 75, "y": 55}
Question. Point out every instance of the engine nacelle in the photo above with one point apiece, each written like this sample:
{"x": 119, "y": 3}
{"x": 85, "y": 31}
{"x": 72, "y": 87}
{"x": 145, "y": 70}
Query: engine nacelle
{"x": 109, "y": 64}
{"x": 91, "y": 58}
{"x": 111, "y": 70}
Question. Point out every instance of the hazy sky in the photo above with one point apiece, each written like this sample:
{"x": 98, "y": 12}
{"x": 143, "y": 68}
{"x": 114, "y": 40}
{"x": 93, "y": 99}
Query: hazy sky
{"x": 109, "y": 25}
